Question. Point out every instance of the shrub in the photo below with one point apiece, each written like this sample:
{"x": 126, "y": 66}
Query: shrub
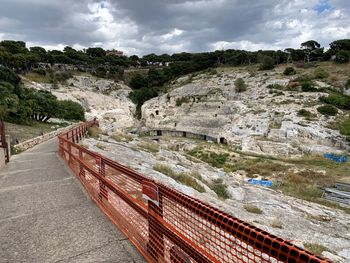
{"x": 240, "y": 85}
{"x": 307, "y": 86}
{"x": 252, "y": 209}
{"x": 267, "y": 63}
{"x": 321, "y": 73}
{"x": 328, "y": 110}
{"x": 62, "y": 76}
{"x": 305, "y": 113}
{"x": 289, "y": 71}
{"x": 338, "y": 100}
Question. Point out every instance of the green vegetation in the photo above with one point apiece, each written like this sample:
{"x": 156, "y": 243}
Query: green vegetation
{"x": 305, "y": 113}
{"x": 316, "y": 248}
{"x": 338, "y": 100}
{"x": 320, "y": 73}
{"x": 267, "y": 63}
{"x": 215, "y": 159}
{"x": 327, "y": 110}
{"x": 342, "y": 57}
{"x": 219, "y": 188}
{"x": 180, "y": 177}
{"x": 289, "y": 71}
{"x": 344, "y": 128}
{"x": 252, "y": 209}
{"x": 240, "y": 85}
{"x": 308, "y": 86}
{"x": 26, "y": 132}
{"x": 22, "y": 105}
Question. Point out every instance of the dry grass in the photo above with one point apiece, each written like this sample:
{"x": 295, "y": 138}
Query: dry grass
{"x": 182, "y": 178}
{"x": 94, "y": 132}
{"x": 38, "y": 78}
{"x": 316, "y": 248}
{"x": 150, "y": 146}
{"x": 219, "y": 188}
{"x": 26, "y": 132}
{"x": 119, "y": 137}
{"x": 277, "y": 224}
{"x": 252, "y": 209}
{"x": 101, "y": 146}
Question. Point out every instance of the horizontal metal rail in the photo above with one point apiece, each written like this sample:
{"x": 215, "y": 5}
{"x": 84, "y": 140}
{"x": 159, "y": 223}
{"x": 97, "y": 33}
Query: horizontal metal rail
{"x": 171, "y": 227}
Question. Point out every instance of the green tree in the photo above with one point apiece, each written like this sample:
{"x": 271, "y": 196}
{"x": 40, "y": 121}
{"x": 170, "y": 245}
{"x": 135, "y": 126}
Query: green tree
{"x": 70, "y": 110}
{"x": 14, "y": 47}
{"x": 342, "y": 57}
{"x": 96, "y": 52}
{"x": 138, "y": 81}
{"x": 341, "y": 44}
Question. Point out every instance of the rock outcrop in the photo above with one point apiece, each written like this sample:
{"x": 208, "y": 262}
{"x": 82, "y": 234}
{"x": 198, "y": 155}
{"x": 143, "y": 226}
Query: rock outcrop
{"x": 260, "y": 120}
{"x": 105, "y": 99}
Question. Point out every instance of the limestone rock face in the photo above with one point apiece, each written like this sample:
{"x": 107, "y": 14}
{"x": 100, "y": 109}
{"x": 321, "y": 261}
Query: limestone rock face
{"x": 260, "y": 120}
{"x": 105, "y": 99}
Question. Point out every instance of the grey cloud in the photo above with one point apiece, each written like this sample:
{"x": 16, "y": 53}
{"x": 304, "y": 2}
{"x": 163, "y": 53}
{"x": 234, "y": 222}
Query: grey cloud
{"x": 145, "y": 26}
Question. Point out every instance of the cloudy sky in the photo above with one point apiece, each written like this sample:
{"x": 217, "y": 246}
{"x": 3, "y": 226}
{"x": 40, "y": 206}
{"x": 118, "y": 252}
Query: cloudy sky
{"x": 169, "y": 26}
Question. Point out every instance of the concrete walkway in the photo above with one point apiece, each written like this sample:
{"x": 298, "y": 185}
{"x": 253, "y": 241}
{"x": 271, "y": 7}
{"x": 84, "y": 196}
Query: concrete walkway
{"x": 45, "y": 215}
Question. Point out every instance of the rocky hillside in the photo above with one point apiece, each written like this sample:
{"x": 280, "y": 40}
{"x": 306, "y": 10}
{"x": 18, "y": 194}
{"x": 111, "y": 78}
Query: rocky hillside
{"x": 264, "y": 119}
{"x": 105, "y": 99}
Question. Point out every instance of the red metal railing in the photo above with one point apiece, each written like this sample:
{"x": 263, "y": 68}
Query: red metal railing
{"x": 173, "y": 227}
{"x": 3, "y": 143}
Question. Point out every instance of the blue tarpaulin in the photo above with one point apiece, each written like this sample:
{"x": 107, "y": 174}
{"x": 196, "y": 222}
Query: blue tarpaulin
{"x": 336, "y": 158}
{"x": 266, "y": 183}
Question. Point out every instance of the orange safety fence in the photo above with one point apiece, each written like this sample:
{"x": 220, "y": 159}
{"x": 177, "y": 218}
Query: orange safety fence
{"x": 167, "y": 225}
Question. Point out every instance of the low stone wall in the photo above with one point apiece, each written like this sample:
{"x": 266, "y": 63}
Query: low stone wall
{"x": 2, "y": 158}
{"x": 37, "y": 140}
{"x": 185, "y": 134}
{"x": 3, "y": 152}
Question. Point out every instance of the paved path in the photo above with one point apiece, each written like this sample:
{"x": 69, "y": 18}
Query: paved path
{"x": 45, "y": 215}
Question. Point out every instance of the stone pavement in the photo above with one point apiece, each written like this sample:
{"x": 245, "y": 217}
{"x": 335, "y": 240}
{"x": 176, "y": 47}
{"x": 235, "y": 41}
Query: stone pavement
{"x": 45, "y": 215}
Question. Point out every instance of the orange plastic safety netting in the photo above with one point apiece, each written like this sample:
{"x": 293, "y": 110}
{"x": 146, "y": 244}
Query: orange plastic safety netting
{"x": 174, "y": 227}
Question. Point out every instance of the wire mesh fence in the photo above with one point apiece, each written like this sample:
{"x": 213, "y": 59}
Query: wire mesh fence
{"x": 166, "y": 225}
